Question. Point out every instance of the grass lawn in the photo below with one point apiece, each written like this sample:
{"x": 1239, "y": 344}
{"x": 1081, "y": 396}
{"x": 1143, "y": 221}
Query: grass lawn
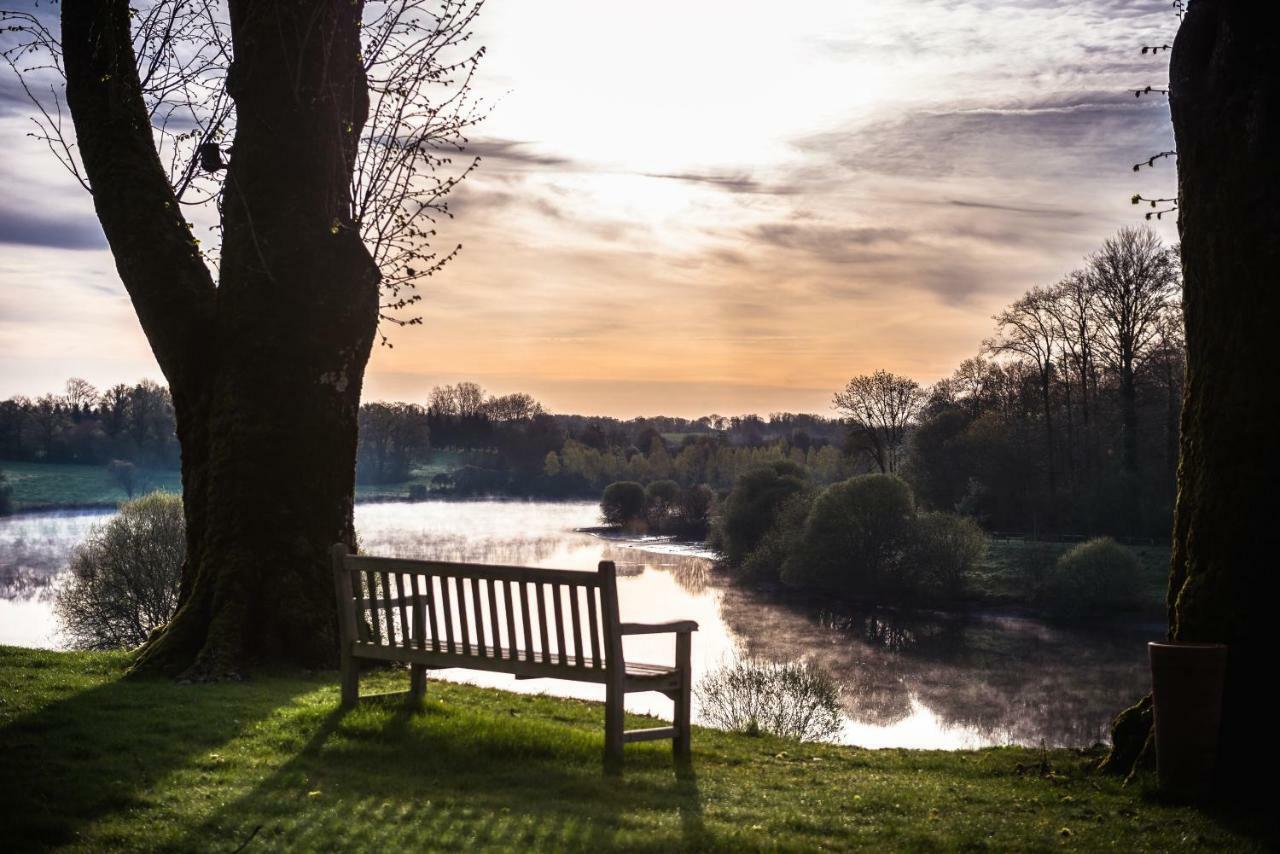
{"x": 93, "y": 763}
{"x": 1008, "y": 573}
{"x": 51, "y": 485}
{"x": 441, "y": 462}
{"x": 59, "y": 484}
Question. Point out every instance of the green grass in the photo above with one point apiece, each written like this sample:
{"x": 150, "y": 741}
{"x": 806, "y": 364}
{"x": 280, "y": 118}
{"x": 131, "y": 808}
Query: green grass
{"x": 93, "y": 762}
{"x": 1008, "y": 573}
{"x": 50, "y": 485}
{"x": 64, "y": 484}
{"x": 441, "y": 462}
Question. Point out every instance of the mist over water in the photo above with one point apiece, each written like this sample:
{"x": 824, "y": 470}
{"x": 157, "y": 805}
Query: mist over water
{"x": 922, "y": 680}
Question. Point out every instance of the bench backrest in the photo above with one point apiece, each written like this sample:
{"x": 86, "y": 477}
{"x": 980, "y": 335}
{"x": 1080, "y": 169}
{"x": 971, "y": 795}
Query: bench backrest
{"x": 546, "y": 617}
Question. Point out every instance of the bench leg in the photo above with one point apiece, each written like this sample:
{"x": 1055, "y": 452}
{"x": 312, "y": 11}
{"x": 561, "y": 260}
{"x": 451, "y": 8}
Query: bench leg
{"x": 683, "y": 698}
{"x": 613, "y": 722}
{"x": 417, "y": 682}
{"x": 349, "y": 678}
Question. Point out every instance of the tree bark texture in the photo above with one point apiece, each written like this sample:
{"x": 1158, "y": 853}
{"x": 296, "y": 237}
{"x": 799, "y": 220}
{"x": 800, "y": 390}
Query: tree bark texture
{"x": 266, "y": 366}
{"x": 1225, "y": 103}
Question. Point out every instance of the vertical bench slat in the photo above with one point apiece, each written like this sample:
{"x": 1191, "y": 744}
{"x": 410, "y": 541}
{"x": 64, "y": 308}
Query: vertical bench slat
{"x": 577, "y": 624}
{"x": 542, "y": 622}
{"x": 420, "y": 604}
{"x": 431, "y": 612}
{"x": 375, "y": 620}
{"x": 477, "y": 614}
{"x": 461, "y": 588}
{"x": 512, "y": 644}
{"x": 447, "y": 612}
{"x": 495, "y": 627}
{"x": 389, "y": 610}
{"x": 593, "y": 625}
{"x": 556, "y": 590}
{"x": 406, "y": 632}
{"x": 524, "y": 616}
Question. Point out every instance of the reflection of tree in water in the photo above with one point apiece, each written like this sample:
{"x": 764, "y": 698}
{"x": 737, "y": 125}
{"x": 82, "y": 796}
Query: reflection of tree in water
{"x": 460, "y": 548}
{"x": 691, "y": 572}
{"x": 35, "y": 549}
{"x": 1009, "y": 679}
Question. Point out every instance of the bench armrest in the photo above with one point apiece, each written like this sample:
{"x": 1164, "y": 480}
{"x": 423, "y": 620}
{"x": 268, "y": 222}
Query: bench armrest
{"x": 679, "y": 626}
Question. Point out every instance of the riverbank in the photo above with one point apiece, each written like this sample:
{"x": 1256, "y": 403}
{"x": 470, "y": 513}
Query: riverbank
{"x": 95, "y": 762}
{"x": 61, "y": 487}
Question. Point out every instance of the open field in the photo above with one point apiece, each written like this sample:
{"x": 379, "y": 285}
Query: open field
{"x": 38, "y": 485}
{"x": 94, "y": 762}
{"x": 1011, "y": 568}
{"x": 52, "y": 485}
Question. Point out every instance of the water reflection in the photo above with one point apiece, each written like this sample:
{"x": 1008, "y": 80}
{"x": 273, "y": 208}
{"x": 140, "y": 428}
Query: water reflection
{"x": 989, "y": 680}
{"x": 909, "y": 680}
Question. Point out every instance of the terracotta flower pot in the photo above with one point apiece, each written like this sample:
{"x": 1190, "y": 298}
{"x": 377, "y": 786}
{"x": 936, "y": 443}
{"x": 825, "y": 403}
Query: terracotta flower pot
{"x": 1186, "y": 696}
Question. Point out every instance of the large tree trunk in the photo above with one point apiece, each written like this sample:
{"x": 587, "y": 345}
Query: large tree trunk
{"x": 266, "y": 368}
{"x": 1225, "y": 98}
{"x": 1225, "y": 102}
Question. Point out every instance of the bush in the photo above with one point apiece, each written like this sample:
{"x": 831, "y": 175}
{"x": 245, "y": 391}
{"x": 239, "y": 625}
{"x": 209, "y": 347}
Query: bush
{"x": 753, "y": 504}
{"x": 6, "y": 496}
{"x": 693, "y": 511}
{"x": 659, "y": 499}
{"x": 854, "y": 538}
{"x": 622, "y": 503}
{"x": 943, "y": 549}
{"x": 124, "y": 577}
{"x": 1092, "y": 579}
{"x": 781, "y": 541}
{"x": 793, "y": 700}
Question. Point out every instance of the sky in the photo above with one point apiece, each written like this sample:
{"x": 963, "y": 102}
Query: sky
{"x": 704, "y": 206}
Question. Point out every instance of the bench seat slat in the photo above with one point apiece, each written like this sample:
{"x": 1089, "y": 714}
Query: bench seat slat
{"x": 650, "y": 734}
{"x": 508, "y": 661}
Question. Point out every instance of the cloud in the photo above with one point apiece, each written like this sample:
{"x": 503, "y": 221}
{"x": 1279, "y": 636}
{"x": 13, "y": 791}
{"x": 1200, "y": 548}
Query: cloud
{"x": 1034, "y": 137}
{"x": 513, "y": 152}
{"x": 1033, "y": 211}
{"x": 735, "y": 183}
{"x": 834, "y": 244}
{"x": 68, "y": 231}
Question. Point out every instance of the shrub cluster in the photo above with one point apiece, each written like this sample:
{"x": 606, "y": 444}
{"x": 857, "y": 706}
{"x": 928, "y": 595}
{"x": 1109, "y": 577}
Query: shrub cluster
{"x": 860, "y": 537}
{"x": 663, "y": 507}
{"x": 124, "y": 578}
{"x": 1091, "y": 580}
{"x": 794, "y": 699}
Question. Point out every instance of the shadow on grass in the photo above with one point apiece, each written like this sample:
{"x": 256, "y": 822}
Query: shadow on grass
{"x": 387, "y": 777}
{"x": 103, "y": 750}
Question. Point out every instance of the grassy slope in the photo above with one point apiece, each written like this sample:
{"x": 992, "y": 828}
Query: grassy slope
{"x": 55, "y": 484}
{"x": 1007, "y": 573}
{"x": 93, "y": 762}
{"x": 58, "y": 484}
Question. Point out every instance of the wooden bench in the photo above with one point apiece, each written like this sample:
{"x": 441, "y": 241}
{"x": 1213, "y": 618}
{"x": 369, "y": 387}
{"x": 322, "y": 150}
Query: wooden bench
{"x": 529, "y": 622}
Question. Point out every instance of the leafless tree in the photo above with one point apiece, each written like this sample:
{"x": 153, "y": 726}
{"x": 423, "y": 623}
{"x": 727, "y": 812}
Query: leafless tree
{"x": 1134, "y": 280}
{"x": 1029, "y": 329}
{"x": 268, "y": 177}
{"x": 881, "y": 407}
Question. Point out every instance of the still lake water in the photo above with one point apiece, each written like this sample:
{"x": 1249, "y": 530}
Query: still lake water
{"x": 931, "y": 681}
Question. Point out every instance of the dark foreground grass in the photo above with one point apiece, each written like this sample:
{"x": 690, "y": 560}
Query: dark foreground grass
{"x": 93, "y": 762}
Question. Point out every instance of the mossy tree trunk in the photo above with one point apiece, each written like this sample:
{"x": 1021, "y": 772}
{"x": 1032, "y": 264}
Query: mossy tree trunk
{"x": 266, "y": 366}
{"x": 1225, "y": 100}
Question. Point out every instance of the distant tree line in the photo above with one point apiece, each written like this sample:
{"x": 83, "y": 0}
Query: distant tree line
{"x": 84, "y": 425}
